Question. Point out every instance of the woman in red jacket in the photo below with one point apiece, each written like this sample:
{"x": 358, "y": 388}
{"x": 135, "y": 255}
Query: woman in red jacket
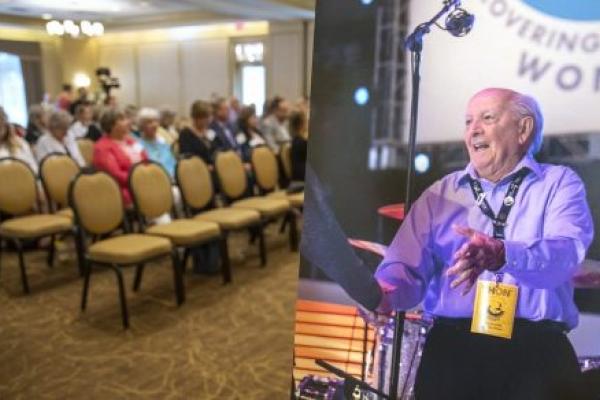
{"x": 117, "y": 151}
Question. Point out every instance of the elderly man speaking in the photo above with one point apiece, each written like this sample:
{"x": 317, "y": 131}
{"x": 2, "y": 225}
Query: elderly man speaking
{"x": 491, "y": 250}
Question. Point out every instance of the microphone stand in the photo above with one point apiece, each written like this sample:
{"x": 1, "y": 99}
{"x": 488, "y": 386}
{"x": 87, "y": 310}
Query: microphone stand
{"x": 413, "y": 43}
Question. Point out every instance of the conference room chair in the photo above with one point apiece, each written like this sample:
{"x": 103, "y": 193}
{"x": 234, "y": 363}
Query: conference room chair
{"x": 150, "y": 187}
{"x": 264, "y": 165}
{"x": 86, "y": 148}
{"x": 198, "y": 197}
{"x": 20, "y": 221}
{"x": 97, "y": 204}
{"x": 56, "y": 173}
{"x": 285, "y": 153}
{"x": 234, "y": 186}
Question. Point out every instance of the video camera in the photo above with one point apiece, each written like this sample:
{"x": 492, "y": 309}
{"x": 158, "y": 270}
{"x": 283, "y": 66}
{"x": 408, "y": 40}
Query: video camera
{"x": 108, "y": 82}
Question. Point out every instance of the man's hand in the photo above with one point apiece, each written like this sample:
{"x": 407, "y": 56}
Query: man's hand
{"x": 481, "y": 252}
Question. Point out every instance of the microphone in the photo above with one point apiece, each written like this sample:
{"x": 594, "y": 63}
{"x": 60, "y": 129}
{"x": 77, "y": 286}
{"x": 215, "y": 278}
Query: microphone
{"x": 459, "y": 22}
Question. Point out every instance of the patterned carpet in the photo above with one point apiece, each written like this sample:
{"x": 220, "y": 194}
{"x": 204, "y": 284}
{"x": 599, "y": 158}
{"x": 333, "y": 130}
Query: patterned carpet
{"x": 225, "y": 342}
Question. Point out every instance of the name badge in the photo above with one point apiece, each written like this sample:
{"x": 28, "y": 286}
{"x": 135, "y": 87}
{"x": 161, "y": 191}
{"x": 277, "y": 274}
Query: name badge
{"x": 494, "y": 309}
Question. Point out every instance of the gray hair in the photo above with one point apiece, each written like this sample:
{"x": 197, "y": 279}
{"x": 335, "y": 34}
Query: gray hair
{"x": 36, "y": 112}
{"x": 527, "y": 106}
{"x": 146, "y": 115}
{"x": 59, "y": 120}
{"x": 109, "y": 118}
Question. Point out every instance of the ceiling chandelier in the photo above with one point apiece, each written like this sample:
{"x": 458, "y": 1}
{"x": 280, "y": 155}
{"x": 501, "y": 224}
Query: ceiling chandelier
{"x": 68, "y": 27}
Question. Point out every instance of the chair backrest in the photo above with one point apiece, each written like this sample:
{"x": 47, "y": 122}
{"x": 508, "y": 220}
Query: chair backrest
{"x": 265, "y": 167}
{"x": 195, "y": 182}
{"x": 231, "y": 173}
{"x": 57, "y": 171}
{"x": 286, "y": 160}
{"x": 86, "y": 148}
{"x": 150, "y": 186}
{"x": 18, "y": 190}
{"x": 96, "y": 200}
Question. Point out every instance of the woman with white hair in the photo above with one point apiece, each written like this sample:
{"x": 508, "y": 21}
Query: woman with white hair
{"x": 158, "y": 150}
{"x": 56, "y": 140}
{"x": 11, "y": 145}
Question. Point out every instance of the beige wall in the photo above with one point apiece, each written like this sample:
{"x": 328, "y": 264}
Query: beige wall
{"x": 176, "y": 66}
{"x": 79, "y": 56}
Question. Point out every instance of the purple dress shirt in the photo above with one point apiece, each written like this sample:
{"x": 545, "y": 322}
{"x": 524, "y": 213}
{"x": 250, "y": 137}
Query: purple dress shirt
{"x": 548, "y": 232}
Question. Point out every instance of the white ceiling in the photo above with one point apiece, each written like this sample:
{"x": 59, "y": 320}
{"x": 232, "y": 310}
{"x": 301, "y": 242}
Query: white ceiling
{"x": 128, "y": 12}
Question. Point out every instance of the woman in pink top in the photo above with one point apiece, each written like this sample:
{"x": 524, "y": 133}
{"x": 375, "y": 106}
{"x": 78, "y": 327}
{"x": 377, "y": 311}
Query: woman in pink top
{"x": 117, "y": 151}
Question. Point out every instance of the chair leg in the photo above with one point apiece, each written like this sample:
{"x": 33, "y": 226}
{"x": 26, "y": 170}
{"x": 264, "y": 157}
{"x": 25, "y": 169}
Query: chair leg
{"x": 225, "y": 265}
{"x": 139, "y": 271}
{"x": 51, "y": 252}
{"x": 124, "y": 311}
{"x": 19, "y": 247}
{"x": 293, "y": 231}
{"x": 186, "y": 256}
{"x": 261, "y": 246}
{"x": 87, "y": 272}
{"x": 284, "y": 223}
{"x": 79, "y": 250}
{"x": 177, "y": 278}
{"x": 1, "y": 244}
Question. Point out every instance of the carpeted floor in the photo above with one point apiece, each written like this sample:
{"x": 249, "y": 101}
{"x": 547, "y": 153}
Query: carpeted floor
{"x": 225, "y": 342}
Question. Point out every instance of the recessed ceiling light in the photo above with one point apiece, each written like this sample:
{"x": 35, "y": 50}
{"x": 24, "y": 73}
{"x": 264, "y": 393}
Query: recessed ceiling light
{"x": 46, "y": 16}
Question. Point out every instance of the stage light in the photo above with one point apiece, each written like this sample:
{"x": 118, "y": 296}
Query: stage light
{"x": 366, "y": 2}
{"x": 361, "y": 96}
{"x": 422, "y": 163}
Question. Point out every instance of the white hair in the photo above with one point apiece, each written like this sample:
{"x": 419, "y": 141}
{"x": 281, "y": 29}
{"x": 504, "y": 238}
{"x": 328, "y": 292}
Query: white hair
{"x": 527, "y": 106}
{"x": 146, "y": 115}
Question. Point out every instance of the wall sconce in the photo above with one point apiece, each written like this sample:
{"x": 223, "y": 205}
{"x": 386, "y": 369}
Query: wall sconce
{"x": 81, "y": 80}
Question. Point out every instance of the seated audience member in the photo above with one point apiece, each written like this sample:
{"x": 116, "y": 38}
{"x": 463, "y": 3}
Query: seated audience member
{"x": 166, "y": 130}
{"x": 225, "y": 139}
{"x": 65, "y": 97}
{"x": 274, "y": 127}
{"x": 38, "y": 123}
{"x": 82, "y": 98}
{"x": 116, "y": 151}
{"x": 57, "y": 140}
{"x": 234, "y": 112}
{"x": 157, "y": 150}
{"x": 249, "y": 135}
{"x": 299, "y": 132}
{"x": 83, "y": 120}
{"x": 94, "y": 131}
{"x": 11, "y": 145}
{"x": 197, "y": 139}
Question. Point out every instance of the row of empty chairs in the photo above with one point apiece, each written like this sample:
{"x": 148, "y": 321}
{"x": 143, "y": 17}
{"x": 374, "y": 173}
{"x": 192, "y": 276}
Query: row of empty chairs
{"x": 89, "y": 205}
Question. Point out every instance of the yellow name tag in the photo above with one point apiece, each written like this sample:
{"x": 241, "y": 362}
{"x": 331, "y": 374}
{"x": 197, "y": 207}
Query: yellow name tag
{"x": 494, "y": 309}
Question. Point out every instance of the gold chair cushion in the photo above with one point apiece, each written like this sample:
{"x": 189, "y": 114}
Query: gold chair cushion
{"x": 295, "y": 199}
{"x": 267, "y": 207}
{"x": 66, "y": 212}
{"x": 230, "y": 218}
{"x": 33, "y": 226}
{"x": 183, "y": 232}
{"x": 129, "y": 249}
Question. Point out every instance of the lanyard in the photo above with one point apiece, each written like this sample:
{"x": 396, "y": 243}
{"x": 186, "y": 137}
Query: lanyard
{"x": 499, "y": 221}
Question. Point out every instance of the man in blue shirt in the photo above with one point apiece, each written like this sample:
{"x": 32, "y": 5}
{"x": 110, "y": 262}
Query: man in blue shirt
{"x": 505, "y": 225}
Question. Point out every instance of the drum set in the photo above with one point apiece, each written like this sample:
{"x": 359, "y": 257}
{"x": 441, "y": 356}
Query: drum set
{"x": 378, "y": 364}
